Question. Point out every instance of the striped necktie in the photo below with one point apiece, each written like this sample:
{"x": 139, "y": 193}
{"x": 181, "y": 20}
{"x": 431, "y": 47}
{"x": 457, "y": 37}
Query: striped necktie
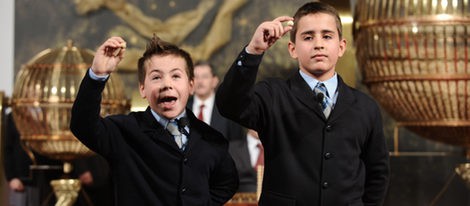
{"x": 325, "y": 101}
{"x": 172, "y": 127}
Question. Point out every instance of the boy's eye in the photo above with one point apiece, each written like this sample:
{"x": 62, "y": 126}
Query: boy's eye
{"x": 155, "y": 77}
{"x": 327, "y": 37}
{"x": 308, "y": 38}
{"x": 176, "y": 76}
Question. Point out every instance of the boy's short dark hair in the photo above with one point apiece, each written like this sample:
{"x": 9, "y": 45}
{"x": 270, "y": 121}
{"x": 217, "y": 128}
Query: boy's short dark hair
{"x": 314, "y": 8}
{"x": 158, "y": 47}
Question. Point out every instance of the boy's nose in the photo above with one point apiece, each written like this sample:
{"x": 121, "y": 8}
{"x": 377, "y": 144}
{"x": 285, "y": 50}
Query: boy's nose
{"x": 166, "y": 83}
{"x": 318, "y": 44}
{"x": 319, "y": 47}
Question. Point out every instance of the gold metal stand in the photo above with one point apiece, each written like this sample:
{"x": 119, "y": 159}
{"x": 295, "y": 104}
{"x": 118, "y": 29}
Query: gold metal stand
{"x": 259, "y": 182}
{"x": 66, "y": 191}
{"x": 44, "y": 92}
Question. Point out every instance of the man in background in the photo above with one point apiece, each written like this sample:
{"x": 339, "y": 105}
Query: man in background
{"x": 202, "y": 103}
{"x": 26, "y": 187}
{"x": 31, "y": 187}
{"x": 248, "y": 154}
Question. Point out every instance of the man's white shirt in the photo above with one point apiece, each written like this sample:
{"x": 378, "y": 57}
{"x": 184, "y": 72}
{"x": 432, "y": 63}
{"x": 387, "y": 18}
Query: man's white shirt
{"x": 208, "y": 106}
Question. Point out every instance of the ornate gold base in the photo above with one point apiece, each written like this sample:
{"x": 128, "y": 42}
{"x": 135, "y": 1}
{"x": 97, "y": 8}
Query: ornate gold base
{"x": 66, "y": 191}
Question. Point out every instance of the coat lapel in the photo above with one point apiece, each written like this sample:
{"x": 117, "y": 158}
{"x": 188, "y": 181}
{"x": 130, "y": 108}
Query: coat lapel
{"x": 344, "y": 101}
{"x": 194, "y": 133}
{"x": 304, "y": 94}
{"x": 302, "y": 91}
{"x": 156, "y": 131}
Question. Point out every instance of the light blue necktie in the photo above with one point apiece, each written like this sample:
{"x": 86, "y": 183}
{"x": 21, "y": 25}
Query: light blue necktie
{"x": 325, "y": 103}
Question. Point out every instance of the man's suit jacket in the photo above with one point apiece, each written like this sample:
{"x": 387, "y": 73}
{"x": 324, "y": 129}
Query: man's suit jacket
{"x": 309, "y": 160}
{"x": 228, "y": 128}
{"x": 246, "y": 173}
{"x": 147, "y": 166}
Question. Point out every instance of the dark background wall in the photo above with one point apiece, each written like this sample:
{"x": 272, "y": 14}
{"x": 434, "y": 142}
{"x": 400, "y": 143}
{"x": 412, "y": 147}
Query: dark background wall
{"x": 422, "y": 171}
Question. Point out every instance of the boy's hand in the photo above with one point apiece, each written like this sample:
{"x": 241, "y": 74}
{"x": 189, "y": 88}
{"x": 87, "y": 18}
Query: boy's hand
{"x": 108, "y": 56}
{"x": 268, "y": 33}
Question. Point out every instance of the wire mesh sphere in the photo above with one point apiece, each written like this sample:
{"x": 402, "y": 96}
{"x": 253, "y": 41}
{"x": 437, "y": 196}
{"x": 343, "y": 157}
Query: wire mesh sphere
{"x": 413, "y": 57}
{"x": 44, "y": 91}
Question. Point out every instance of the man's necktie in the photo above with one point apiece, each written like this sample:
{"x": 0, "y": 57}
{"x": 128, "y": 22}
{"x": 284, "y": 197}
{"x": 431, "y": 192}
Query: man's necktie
{"x": 200, "y": 116}
{"x": 325, "y": 103}
{"x": 260, "y": 161}
{"x": 172, "y": 127}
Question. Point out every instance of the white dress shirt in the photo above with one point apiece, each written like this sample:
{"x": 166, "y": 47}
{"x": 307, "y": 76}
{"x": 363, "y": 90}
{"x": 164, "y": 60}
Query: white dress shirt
{"x": 252, "y": 143}
{"x": 208, "y": 106}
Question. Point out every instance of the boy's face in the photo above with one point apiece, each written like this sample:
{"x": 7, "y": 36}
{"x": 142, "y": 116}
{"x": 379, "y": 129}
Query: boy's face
{"x": 204, "y": 81}
{"x": 166, "y": 86}
{"x": 317, "y": 47}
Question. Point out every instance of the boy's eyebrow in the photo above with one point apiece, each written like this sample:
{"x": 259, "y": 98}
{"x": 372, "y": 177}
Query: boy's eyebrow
{"x": 152, "y": 70}
{"x": 177, "y": 69}
{"x": 309, "y": 32}
{"x": 159, "y": 71}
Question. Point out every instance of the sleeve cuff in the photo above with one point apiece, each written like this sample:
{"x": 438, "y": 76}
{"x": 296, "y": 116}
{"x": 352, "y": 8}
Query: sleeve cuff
{"x": 248, "y": 60}
{"x": 93, "y": 76}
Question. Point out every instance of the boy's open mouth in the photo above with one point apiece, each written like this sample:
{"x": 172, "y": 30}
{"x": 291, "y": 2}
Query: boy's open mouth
{"x": 167, "y": 101}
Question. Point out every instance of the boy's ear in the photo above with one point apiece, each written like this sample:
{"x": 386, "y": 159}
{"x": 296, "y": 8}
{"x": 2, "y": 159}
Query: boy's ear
{"x": 141, "y": 90}
{"x": 191, "y": 86}
{"x": 342, "y": 47}
{"x": 291, "y": 48}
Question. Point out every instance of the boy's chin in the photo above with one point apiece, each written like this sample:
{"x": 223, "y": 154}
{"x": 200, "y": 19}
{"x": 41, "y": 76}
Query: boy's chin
{"x": 318, "y": 72}
{"x": 171, "y": 114}
{"x": 314, "y": 71}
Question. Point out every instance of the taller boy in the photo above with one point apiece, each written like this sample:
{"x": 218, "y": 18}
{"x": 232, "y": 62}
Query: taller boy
{"x": 338, "y": 158}
{"x": 148, "y": 165}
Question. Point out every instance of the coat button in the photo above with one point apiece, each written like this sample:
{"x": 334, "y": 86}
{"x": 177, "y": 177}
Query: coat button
{"x": 328, "y": 155}
{"x": 328, "y": 128}
{"x": 183, "y": 190}
{"x": 185, "y": 160}
{"x": 325, "y": 185}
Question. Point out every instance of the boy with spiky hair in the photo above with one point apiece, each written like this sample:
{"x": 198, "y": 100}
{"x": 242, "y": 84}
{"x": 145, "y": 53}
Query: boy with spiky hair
{"x": 161, "y": 156}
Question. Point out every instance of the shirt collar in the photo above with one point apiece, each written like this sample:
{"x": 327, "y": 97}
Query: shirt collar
{"x": 252, "y": 141}
{"x": 164, "y": 121}
{"x": 331, "y": 84}
{"x": 208, "y": 103}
